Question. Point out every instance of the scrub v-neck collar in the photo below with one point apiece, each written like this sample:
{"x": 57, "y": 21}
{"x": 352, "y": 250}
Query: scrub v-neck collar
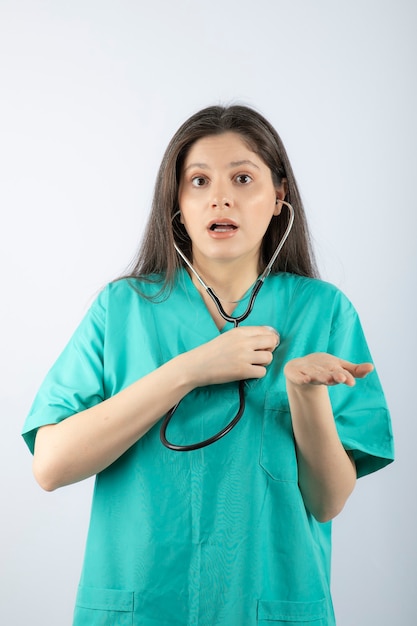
{"x": 198, "y": 300}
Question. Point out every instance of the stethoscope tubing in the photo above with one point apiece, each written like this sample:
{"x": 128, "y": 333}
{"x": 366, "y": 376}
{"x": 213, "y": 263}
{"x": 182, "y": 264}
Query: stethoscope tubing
{"x": 210, "y": 440}
{"x": 235, "y": 321}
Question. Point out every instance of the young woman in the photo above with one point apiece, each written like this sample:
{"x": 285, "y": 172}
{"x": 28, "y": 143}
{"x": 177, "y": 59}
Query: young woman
{"x": 236, "y": 533}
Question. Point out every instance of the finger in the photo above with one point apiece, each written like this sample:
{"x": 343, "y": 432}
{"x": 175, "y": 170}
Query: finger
{"x": 363, "y": 369}
{"x": 256, "y": 371}
{"x": 265, "y": 344}
{"x": 261, "y": 357}
{"x": 254, "y": 337}
{"x": 357, "y": 370}
{"x": 319, "y": 375}
{"x": 343, "y": 377}
{"x": 332, "y": 378}
{"x": 258, "y": 331}
{"x": 267, "y": 339}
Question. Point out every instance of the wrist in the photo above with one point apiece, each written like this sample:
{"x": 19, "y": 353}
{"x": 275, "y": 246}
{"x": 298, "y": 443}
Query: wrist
{"x": 185, "y": 372}
{"x": 306, "y": 390}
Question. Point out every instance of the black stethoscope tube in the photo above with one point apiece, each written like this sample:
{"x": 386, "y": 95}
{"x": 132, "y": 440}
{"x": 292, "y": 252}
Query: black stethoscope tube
{"x": 236, "y": 321}
{"x": 210, "y": 440}
{"x": 201, "y": 444}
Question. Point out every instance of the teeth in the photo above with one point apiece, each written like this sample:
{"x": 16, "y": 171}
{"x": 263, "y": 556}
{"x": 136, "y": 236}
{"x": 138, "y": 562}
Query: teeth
{"x": 222, "y": 228}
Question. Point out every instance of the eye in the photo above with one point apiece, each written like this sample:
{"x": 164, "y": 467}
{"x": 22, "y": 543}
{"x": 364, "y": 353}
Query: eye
{"x": 198, "y": 181}
{"x": 243, "y": 179}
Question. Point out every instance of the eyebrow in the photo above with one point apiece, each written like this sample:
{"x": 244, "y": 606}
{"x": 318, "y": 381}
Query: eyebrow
{"x": 231, "y": 164}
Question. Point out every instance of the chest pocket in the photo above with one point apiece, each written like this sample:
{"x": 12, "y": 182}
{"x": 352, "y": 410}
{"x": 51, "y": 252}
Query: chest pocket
{"x": 278, "y": 456}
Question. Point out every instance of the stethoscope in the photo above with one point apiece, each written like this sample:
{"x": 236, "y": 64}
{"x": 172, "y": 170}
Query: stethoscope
{"x": 235, "y": 321}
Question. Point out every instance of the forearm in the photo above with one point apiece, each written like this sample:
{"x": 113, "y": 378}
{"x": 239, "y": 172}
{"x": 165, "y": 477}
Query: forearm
{"x": 87, "y": 442}
{"x": 327, "y": 474}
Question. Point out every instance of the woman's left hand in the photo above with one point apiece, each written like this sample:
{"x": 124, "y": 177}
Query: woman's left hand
{"x": 320, "y": 368}
{"x": 326, "y": 473}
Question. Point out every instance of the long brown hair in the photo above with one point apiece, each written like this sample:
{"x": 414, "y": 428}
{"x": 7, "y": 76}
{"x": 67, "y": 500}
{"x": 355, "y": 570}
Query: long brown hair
{"x": 157, "y": 258}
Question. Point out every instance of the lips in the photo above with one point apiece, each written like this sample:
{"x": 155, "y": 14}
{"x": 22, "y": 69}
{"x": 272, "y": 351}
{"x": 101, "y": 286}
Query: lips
{"x": 222, "y": 226}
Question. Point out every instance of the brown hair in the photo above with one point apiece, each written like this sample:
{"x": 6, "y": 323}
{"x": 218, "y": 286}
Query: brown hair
{"x": 157, "y": 258}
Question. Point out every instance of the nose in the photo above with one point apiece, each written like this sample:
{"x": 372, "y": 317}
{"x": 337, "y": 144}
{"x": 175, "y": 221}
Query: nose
{"x": 224, "y": 203}
{"x": 221, "y": 198}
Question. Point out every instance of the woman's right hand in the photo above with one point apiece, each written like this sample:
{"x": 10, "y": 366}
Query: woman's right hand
{"x": 237, "y": 354}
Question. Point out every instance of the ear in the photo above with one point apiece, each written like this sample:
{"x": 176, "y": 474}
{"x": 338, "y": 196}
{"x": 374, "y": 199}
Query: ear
{"x": 280, "y": 193}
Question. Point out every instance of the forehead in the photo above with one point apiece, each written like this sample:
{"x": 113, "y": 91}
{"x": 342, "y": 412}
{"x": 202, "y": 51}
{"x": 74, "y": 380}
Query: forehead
{"x": 226, "y": 147}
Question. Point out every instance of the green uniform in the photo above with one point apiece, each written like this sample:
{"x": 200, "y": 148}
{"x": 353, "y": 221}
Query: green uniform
{"x": 218, "y": 536}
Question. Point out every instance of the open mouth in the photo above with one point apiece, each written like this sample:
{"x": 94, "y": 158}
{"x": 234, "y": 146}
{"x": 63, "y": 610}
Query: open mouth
{"x": 222, "y": 227}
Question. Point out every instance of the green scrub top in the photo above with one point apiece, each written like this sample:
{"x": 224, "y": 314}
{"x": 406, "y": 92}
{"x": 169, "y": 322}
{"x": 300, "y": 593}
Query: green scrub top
{"x": 218, "y": 536}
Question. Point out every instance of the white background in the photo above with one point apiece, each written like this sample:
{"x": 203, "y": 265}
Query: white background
{"x": 90, "y": 93}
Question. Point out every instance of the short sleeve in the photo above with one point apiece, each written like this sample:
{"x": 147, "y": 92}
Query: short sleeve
{"x": 361, "y": 413}
{"x": 75, "y": 381}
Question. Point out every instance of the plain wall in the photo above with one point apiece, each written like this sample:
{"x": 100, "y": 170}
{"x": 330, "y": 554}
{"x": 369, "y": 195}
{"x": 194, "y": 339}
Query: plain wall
{"x": 90, "y": 93}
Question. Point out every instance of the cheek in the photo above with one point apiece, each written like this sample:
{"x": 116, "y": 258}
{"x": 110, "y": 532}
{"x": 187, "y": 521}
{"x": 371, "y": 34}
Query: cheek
{"x": 263, "y": 210}
{"x": 185, "y": 204}
{"x": 263, "y": 199}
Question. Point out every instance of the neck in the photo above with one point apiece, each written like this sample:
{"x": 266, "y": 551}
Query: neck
{"x": 229, "y": 281}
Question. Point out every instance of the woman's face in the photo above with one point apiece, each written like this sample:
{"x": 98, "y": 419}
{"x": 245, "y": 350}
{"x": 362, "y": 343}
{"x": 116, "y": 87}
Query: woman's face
{"x": 227, "y": 199}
